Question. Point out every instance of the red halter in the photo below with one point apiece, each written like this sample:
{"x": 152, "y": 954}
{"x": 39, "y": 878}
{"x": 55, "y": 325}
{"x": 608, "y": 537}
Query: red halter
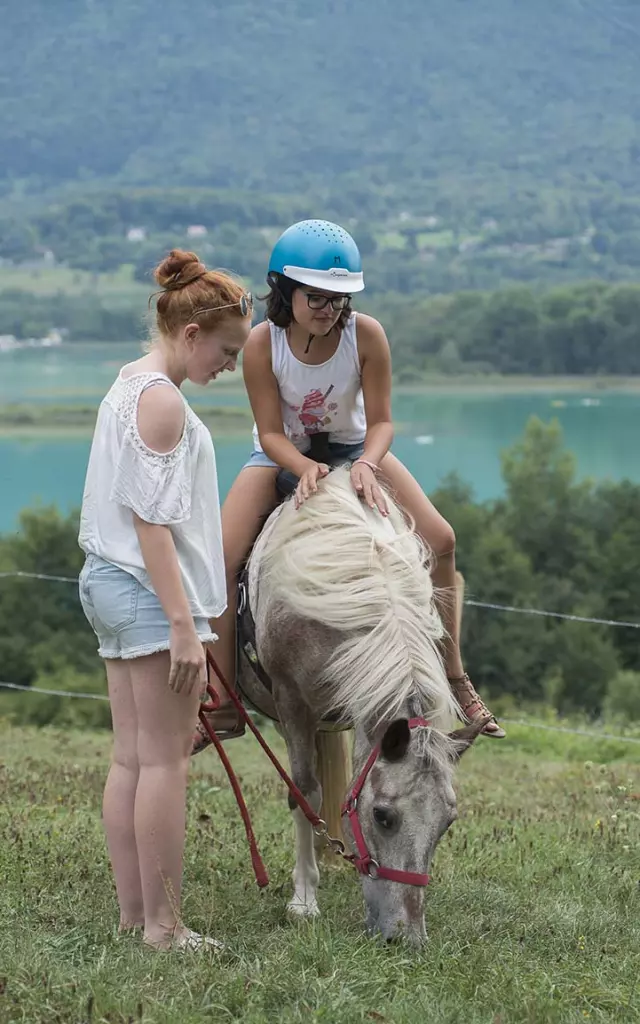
{"x": 364, "y": 863}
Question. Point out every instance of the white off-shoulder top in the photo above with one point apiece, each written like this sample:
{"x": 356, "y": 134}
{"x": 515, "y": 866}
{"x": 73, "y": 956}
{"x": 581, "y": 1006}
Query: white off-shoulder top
{"x": 178, "y": 489}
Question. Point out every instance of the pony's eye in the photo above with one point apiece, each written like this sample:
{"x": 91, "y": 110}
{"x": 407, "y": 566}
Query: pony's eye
{"x": 384, "y": 817}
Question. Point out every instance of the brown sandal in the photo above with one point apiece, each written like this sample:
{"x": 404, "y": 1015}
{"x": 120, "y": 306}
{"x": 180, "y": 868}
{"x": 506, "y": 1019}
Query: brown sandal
{"x": 473, "y": 707}
{"x": 201, "y": 738}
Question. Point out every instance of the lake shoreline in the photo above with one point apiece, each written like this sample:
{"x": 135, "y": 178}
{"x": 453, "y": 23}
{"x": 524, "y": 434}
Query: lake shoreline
{"x": 471, "y": 385}
{"x": 488, "y": 384}
{"x": 25, "y": 421}
{"x": 517, "y": 384}
{"x": 441, "y": 426}
{"x": 52, "y": 415}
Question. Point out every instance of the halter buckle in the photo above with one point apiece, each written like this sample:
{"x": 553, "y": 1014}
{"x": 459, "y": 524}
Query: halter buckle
{"x": 372, "y": 869}
{"x": 350, "y": 806}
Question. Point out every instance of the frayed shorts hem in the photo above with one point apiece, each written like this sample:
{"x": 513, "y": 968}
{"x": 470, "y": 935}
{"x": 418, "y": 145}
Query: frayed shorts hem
{"x": 128, "y": 620}
{"x": 144, "y": 650}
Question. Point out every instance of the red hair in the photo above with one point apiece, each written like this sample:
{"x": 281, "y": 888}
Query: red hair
{"x": 187, "y": 287}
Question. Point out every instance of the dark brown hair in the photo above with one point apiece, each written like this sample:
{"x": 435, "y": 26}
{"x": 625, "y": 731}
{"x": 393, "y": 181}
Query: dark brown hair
{"x": 187, "y": 288}
{"x": 278, "y": 301}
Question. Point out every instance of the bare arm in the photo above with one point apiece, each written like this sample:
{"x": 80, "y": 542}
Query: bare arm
{"x": 161, "y": 562}
{"x": 161, "y": 416}
{"x": 375, "y": 358}
{"x": 375, "y": 361}
{"x": 262, "y": 388}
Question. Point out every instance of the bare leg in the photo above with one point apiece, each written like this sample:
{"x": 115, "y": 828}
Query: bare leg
{"x": 439, "y": 536}
{"x": 120, "y": 794}
{"x": 165, "y": 726}
{"x": 250, "y": 500}
{"x": 299, "y": 733}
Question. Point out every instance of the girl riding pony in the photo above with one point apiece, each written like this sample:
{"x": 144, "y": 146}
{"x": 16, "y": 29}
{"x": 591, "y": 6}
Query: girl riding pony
{"x": 317, "y": 367}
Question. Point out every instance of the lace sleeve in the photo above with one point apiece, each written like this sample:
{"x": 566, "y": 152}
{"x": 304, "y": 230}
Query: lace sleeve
{"x": 154, "y": 485}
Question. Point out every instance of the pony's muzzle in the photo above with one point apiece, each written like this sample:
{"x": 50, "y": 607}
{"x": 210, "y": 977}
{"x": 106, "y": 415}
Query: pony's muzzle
{"x": 395, "y": 912}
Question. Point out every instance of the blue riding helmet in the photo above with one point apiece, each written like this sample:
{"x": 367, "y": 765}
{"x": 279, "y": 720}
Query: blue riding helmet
{"x": 320, "y": 254}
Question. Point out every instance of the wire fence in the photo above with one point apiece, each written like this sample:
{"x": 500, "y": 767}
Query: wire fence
{"x": 552, "y": 615}
{"x": 488, "y": 605}
{"x": 592, "y": 734}
{"x": 51, "y": 693}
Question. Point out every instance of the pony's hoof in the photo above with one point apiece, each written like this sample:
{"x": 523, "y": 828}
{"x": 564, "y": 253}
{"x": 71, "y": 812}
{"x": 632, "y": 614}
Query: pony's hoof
{"x": 299, "y": 911}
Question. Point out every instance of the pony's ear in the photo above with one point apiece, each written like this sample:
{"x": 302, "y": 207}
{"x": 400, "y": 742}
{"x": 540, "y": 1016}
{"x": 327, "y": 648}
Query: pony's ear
{"x": 396, "y": 740}
{"x": 463, "y": 738}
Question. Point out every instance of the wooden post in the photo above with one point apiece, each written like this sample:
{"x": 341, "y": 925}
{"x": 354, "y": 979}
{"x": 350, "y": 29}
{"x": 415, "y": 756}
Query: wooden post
{"x": 459, "y": 599}
{"x": 335, "y": 770}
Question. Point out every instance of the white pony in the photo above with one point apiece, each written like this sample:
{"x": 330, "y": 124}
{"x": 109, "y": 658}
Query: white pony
{"x": 346, "y": 626}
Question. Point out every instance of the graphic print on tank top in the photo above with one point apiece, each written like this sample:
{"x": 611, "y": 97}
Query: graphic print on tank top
{"x": 319, "y": 398}
{"x": 314, "y": 411}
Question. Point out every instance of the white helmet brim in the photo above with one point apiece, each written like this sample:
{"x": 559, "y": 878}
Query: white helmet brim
{"x": 345, "y": 282}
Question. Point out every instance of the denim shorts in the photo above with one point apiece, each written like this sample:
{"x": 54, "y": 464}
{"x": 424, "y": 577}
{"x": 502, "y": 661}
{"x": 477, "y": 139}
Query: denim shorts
{"x": 128, "y": 619}
{"x": 339, "y": 452}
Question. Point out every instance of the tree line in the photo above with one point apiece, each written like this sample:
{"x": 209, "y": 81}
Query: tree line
{"x": 551, "y": 542}
{"x": 589, "y": 328}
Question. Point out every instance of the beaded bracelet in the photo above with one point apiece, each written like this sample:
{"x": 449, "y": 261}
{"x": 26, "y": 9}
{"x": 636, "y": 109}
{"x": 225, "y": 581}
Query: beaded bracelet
{"x": 372, "y": 466}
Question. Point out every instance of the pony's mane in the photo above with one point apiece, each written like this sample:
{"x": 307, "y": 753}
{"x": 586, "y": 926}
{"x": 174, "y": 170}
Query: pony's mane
{"x": 337, "y": 562}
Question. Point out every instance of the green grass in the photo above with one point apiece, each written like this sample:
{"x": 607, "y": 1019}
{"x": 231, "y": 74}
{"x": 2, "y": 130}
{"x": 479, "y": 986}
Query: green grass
{"x": 436, "y": 240}
{"x": 51, "y": 280}
{"x": 392, "y": 240}
{"x": 532, "y": 915}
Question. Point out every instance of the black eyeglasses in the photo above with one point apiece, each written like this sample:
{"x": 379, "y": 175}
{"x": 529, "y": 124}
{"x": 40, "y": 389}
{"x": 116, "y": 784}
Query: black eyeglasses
{"x": 245, "y": 303}
{"x": 317, "y": 301}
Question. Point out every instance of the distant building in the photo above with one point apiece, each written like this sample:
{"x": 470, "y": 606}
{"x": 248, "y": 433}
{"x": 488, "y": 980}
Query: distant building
{"x": 53, "y": 338}
{"x": 196, "y": 231}
{"x": 136, "y": 235}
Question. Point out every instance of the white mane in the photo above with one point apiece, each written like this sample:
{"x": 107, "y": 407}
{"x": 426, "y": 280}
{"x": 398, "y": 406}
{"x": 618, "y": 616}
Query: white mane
{"x": 336, "y": 562}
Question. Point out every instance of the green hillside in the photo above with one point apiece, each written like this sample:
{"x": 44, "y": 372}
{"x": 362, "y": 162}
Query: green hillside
{"x": 275, "y": 96}
{"x": 466, "y": 145}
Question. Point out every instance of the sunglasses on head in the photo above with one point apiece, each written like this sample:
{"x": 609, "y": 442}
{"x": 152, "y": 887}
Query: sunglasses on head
{"x": 245, "y": 303}
{"x": 315, "y": 300}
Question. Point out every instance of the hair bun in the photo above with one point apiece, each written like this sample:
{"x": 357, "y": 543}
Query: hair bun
{"x": 178, "y": 269}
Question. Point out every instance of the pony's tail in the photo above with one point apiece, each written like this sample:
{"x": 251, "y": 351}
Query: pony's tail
{"x": 335, "y": 770}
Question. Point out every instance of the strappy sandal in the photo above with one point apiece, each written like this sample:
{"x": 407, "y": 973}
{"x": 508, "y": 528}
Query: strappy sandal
{"x": 201, "y": 739}
{"x": 473, "y": 707}
{"x": 193, "y": 942}
{"x": 190, "y": 942}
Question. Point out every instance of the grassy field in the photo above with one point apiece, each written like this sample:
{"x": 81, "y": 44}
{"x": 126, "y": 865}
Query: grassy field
{"x": 27, "y": 420}
{"x": 532, "y": 915}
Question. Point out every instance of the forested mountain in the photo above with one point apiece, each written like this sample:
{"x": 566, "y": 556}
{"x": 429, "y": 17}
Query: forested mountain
{"x": 467, "y": 145}
{"x": 287, "y": 95}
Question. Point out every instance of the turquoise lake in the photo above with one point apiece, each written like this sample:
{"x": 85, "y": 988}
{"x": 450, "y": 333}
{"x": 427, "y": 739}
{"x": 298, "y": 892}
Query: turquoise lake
{"x": 438, "y": 432}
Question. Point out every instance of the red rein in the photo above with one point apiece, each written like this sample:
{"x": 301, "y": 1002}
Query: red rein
{"x": 363, "y": 862}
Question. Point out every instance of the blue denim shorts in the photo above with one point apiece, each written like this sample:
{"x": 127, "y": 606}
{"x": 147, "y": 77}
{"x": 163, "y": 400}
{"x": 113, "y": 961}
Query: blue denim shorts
{"x": 339, "y": 452}
{"x": 128, "y": 619}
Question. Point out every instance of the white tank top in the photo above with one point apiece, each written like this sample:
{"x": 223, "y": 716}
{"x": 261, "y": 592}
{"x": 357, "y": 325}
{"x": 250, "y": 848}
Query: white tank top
{"x": 178, "y": 489}
{"x": 319, "y": 399}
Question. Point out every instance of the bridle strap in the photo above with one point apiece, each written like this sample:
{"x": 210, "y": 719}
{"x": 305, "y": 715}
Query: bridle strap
{"x": 363, "y": 862}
